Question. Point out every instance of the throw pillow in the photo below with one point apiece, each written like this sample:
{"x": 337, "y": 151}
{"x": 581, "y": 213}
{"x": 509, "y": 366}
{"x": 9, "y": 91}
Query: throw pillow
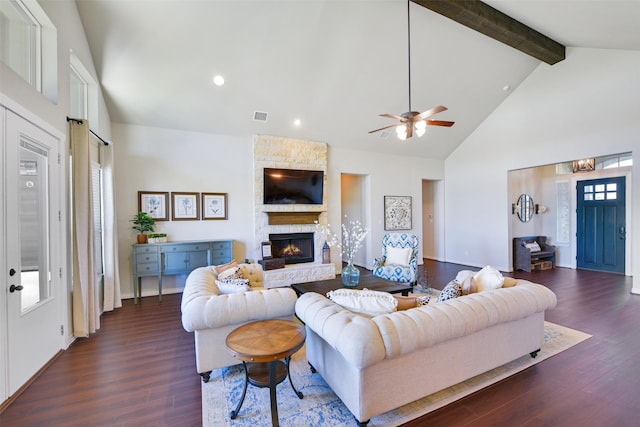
{"x": 222, "y": 267}
{"x": 405, "y": 303}
{"x": 231, "y": 273}
{"x": 452, "y": 290}
{"x": 364, "y": 301}
{"x": 398, "y": 256}
{"x": 233, "y": 286}
{"x": 469, "y": 285}
{"x": 488, "y": 279}
{"x": 509, "y": 282}
{"x": 464, "y": 274}
{"x": 533, "y": 246}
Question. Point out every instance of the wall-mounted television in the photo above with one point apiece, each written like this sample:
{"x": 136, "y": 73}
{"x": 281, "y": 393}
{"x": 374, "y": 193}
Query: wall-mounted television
{"x": 293, "y": 186}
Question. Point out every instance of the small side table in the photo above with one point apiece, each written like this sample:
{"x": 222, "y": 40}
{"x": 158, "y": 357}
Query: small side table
{"x": 261, "y": 345}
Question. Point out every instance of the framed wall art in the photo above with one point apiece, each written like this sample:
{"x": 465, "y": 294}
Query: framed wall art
{"x": 397, "y": 212}
{"x": 185, "y": 206}
{"x": 155, "y": 204}
{"x": 214, "y": 206}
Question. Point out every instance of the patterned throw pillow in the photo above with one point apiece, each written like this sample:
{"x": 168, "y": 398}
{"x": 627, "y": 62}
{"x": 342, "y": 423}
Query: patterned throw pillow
{"x": 231, "y": 273}
{"x": 233, "y": 286}
{"x": 452, "y": 290}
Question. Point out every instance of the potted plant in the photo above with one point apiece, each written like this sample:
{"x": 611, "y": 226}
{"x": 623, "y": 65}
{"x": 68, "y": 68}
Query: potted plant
{"x": 142, "y": 223}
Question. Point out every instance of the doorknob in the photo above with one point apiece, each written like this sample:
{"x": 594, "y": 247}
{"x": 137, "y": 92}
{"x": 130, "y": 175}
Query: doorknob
{"x": 12, "y": 272}
{"x": 14, "y": 288}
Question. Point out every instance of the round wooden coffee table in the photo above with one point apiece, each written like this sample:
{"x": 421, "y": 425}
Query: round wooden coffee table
{"x": 260, "y": 346}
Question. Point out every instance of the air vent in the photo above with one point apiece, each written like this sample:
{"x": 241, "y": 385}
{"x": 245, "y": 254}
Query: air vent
{"x": 260, "y": 116}
{"x": 385, "y": 134}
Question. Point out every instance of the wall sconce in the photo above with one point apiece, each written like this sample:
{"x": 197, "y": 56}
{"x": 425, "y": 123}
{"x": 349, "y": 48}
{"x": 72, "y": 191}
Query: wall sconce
{"x": 540, "y": 209}
{"x": 584, "y": 165}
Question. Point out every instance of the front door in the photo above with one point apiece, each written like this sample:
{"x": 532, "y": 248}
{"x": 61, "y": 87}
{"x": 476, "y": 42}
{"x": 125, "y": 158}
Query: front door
{"x": 32, "y": 229}
{"x": 601, "y": 224}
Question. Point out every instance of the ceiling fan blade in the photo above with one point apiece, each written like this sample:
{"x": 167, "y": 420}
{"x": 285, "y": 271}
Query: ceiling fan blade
{"x": 440, "y": 123}
{"x": 386, "y": 127}
{"x": 431, "y": 112}
{"x": 392, "y": 116}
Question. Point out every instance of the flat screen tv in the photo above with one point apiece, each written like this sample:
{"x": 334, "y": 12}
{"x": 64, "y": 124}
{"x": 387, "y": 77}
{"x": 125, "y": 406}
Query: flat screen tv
{"x": 292, "y": 186}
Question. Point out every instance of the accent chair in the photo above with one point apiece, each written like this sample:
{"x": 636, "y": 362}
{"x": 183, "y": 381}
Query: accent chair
{"x": 399, "y": 260}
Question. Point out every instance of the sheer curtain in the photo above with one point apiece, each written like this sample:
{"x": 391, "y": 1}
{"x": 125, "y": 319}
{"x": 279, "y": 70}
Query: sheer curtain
{"x": 86, "y": 307}
{"x": 112, "y": 298}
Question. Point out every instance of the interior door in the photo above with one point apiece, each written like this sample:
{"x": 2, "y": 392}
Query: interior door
{"x": 31, "y": 225}
{"x": 601, "y": 223}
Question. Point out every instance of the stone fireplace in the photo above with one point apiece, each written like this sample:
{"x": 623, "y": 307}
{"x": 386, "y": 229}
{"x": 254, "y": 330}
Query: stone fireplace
{"x": 287, "y": 153}
{"x": 295, "y": 248}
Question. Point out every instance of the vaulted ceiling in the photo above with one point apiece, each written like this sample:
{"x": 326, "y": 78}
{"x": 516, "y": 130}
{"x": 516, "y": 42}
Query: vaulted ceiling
{"x": 333, "y": 64}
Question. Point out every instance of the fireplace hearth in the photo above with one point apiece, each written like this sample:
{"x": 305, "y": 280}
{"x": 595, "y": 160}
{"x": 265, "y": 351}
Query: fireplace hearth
{"x": 295, "y": 248}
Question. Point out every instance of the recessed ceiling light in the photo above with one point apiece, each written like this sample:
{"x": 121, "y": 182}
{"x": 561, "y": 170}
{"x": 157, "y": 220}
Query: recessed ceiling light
{"x": 297, "y": 123}
{"x": 218, "y": 80}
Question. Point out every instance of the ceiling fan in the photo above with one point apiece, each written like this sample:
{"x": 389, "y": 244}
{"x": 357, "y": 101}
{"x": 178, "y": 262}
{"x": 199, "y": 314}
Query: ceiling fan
{"x": 413, "y": 120}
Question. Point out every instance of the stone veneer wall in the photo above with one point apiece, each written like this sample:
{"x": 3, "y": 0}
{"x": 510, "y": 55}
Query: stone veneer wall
{"x": 279, "y": 152}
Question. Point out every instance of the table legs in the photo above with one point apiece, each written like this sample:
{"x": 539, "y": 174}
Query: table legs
{"x": 272, "y": 392}
{"x": 234, "y": 413}
{"x": 273, "y": 380}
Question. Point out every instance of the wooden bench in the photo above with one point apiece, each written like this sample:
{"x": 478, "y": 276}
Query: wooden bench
{"x": 523, "y": 257}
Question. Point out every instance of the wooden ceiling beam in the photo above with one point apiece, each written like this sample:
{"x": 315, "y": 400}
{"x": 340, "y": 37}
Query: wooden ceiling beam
{"x": 491, "y": 22}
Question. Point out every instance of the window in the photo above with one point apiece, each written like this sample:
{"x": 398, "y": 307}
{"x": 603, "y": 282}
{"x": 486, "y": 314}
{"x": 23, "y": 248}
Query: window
{"x": 83, "y": 92}
{"x": 600, "y": 192}
{"x": 29, "y": 45}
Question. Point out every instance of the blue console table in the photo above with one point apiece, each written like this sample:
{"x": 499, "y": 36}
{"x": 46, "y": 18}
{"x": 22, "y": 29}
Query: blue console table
{"x": 162, "y": 259}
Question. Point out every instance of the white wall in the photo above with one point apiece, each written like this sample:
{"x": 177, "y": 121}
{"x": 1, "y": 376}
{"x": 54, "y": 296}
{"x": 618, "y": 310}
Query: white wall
{"x": 387, "y": 175}
{"x": 584, "y": 106}
{"x": 153, "y": 159}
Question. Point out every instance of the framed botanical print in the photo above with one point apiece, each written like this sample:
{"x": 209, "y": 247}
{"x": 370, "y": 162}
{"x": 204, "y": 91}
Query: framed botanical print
{"x": 397, "y": 212}
{"x": 155, "y": 204}
{"x": 185, "y": 206}
{"x": 214, "y": 206}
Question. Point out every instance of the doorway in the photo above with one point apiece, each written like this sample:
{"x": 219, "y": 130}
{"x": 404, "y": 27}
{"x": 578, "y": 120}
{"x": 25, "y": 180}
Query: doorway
{"x": 32, "y": 235}
{"x": 601, "y": 226}
{"x": 353, "y": 202}
{"x": 432, "y": 219}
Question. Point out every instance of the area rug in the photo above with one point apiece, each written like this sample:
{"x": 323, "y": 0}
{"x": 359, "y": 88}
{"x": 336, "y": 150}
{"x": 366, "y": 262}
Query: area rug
{"x": 321, "y": 407}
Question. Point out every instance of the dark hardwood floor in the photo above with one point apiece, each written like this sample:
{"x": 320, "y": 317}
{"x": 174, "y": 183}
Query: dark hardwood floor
{"x": 139, "y": 369}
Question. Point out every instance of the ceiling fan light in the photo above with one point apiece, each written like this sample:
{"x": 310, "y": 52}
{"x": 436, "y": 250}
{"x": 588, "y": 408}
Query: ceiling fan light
{"x": 401, "y": 132}
{"x": 421, "y": 127}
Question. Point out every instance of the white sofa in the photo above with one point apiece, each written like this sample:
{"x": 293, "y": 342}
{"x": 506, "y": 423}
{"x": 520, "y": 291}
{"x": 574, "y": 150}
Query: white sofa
{"x": 376, "y": 364}
{"x": 212, "y": 315}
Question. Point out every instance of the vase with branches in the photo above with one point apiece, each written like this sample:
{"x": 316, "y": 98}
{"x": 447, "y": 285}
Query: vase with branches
{"x": 353, "y": 235}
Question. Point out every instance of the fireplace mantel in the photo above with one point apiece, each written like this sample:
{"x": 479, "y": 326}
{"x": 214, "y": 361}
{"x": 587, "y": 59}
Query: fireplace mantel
{"x": 287, "y": 218}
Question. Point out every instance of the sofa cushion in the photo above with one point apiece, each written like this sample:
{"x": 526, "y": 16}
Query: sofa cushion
{"x": 452, "y": 290}
{"x": 398, "y": 256}
{"x": 488, "y": 279}
{"x": 364, "y": 301}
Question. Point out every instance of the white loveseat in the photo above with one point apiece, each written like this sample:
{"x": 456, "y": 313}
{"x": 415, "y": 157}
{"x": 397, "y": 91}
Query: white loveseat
{"x": 211, "y": 315}
{"x": 376, "y": 364}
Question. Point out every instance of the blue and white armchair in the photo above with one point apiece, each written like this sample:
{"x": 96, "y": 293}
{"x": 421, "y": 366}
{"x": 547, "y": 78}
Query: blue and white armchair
{"x": 399, "y": 260}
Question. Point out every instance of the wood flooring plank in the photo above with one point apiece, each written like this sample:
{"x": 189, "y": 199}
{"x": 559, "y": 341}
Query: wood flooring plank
{"x": 139, "y": 369}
